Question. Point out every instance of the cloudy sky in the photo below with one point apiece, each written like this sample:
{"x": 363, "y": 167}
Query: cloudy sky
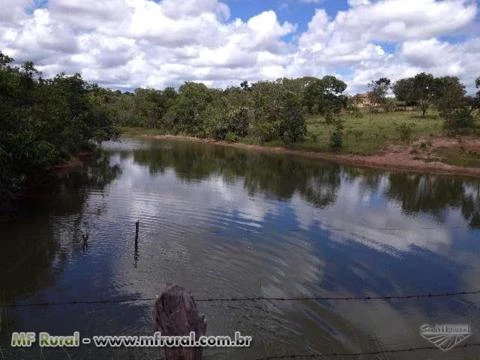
{"x": 131, "y": 43}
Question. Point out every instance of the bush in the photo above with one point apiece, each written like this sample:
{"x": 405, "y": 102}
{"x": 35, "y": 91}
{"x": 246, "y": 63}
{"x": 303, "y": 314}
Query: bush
{"x": 355, "y": 112}
{"x": 389, "y": 105}
{"x": 405, "y": 131}
{"x": 263, "y": 131}
{"x": 329, "y": 118}
{"x": 231, "y": 137}
{"x": 458, "y": 119}
{"x": 336, "y": 137}
{"x": 293, "y": 125}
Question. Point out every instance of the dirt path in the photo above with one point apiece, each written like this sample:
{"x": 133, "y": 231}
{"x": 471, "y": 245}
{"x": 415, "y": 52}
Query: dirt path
{"x": 396, "y": 158}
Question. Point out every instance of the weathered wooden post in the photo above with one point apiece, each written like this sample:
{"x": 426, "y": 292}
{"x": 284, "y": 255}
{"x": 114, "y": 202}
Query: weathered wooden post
{"x": 85, "y": 240}
{"x": 136, "y": 254}
{"x": 176, "y": 314}
{"x": 137, "y": 227}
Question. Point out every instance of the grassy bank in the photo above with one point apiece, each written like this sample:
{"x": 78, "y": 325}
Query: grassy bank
{"x": 370, "y": 133}
{"x": 364, "y": 135}
{"x": 379, "y": 135}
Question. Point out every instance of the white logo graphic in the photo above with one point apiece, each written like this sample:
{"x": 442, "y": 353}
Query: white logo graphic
{"x": 445, "y": 336}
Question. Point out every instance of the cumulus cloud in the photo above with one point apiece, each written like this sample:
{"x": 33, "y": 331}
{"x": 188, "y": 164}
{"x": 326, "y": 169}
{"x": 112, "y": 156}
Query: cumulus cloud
{"x": 358, "y": 38}
{"x": 131, "y": 43}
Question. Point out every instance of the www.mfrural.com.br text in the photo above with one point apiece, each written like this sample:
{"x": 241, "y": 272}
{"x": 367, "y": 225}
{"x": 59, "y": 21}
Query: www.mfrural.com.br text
{"x": 46, "y": 340}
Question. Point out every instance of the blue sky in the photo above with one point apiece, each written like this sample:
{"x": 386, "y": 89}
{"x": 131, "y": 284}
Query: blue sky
{"x": 143, "y": 43}
{"x": 297, "y": 12}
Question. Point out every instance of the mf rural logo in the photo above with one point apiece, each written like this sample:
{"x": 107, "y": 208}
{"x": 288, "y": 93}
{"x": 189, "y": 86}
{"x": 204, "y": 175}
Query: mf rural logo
{"x": 445, "y": 336}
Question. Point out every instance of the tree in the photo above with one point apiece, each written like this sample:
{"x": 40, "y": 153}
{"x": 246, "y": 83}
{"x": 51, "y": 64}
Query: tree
{"x": 404, "y": 90}
{"x": 325, "y": 96}
{"x": 185, "y": 113}
{"x": 379, "y": 90}
{"x": 476, "y": 99}
{"x": 5, "y": 60}
{"x": 424, "y": 91}
{"x": 244, "y": 85}
{"x": 419, "y": 90}
{"x": 292, "y": 127}
{"x": 43, "y": 121}
{"x": 449, "y": 93}
{"x": 452, "y": 103}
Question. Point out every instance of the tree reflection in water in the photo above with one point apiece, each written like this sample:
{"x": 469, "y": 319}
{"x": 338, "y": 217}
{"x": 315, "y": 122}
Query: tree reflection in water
{"x": 317, "y": 182}
{"x": 28, "y": 252}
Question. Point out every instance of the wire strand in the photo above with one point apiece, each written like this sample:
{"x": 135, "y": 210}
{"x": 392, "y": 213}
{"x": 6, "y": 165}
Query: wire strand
{"x": 254, "y": 299}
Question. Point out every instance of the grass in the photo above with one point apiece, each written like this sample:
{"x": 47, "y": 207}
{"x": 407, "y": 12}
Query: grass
{"x": 371, "y": 133}
{"x": 457, "y": 157}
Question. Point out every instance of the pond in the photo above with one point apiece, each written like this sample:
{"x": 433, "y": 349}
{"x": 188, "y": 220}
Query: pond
{"x": 227, "y": 223}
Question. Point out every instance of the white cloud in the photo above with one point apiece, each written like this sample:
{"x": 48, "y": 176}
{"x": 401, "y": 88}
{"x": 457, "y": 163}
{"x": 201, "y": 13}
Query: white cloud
{"x": 341, "y": 219}
{"x": 358, "y": 38}
{"x": 130, "y": 43}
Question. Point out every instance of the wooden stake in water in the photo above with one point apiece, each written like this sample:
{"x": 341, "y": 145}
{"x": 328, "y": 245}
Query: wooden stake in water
{"x": 176, "y": 314}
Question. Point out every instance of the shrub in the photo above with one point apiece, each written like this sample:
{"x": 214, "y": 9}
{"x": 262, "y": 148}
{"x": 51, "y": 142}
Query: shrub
{"x": 458, "y": 119}
{"x": 263, "y": 131}
{"x": 405, "y": 131}
{"x": 336, "y": 137}
{"x": 231, "y": 137}
{"x": 330, "y": 118}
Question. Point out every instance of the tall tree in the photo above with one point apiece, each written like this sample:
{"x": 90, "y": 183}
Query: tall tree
{"x": 419, "y": 90}
{"x": 379, "y": 90}
{"x": 325, "y": 95}
{"x": 404, "y": 90}
{"x": 424, "y": 90}
{"x": 43, "y": 121}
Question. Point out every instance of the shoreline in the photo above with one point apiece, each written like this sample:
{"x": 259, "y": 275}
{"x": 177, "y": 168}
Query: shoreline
{"x": 76, "y": 162}
{"x": 396, "y": 161}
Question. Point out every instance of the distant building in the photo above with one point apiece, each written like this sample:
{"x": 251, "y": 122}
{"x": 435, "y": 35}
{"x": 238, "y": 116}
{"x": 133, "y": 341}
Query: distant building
{"x": 362, "y": 100}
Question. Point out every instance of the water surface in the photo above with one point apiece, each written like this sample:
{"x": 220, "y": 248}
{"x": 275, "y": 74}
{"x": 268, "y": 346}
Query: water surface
{"x": 227, "y": 223}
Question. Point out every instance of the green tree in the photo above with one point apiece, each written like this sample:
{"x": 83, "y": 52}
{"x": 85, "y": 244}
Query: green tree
{"x": 379, "y": 90}
{"x": 43, "y": 121}
{"x": 185, "y": 113}
{"x": 452, "y": 103}
{"x": 324, "y": 96}
{"x": 424, "y": 91}
{"x": 404, "y": 90}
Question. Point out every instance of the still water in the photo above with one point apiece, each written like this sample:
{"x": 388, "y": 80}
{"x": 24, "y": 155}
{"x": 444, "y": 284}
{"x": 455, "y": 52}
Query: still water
{"x": 226, "y": 223}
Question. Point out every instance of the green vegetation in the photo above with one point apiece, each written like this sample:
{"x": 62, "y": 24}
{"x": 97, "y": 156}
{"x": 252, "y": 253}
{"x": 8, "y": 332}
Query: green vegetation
{"x": 46, "y": 121}
{"x": 43, "y": 122}
{"x": 446, "y": 93}
{"x": 306, "y": 113}
{"x": 458, "y": 156}
{"x": 370, "y": 133}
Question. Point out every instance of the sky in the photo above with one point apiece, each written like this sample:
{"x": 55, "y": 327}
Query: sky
{"x": 125, "y": 44}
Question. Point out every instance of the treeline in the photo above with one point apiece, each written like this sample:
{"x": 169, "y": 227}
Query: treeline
{"x": 446, "y": 94}
{"x": 275, "y": 110}
{"x": 43, "y": 122}
{"x": 263, "y": 111}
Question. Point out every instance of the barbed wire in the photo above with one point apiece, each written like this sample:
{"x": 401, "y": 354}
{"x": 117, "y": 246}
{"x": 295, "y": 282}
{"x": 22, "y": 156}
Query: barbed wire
{"x": 253, "y": 299}
{"x": 345, "y": 298}
{"x": 358, "y": 354}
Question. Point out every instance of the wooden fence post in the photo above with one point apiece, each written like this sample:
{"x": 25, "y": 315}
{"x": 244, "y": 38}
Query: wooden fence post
{"x": 176, "y": 314}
